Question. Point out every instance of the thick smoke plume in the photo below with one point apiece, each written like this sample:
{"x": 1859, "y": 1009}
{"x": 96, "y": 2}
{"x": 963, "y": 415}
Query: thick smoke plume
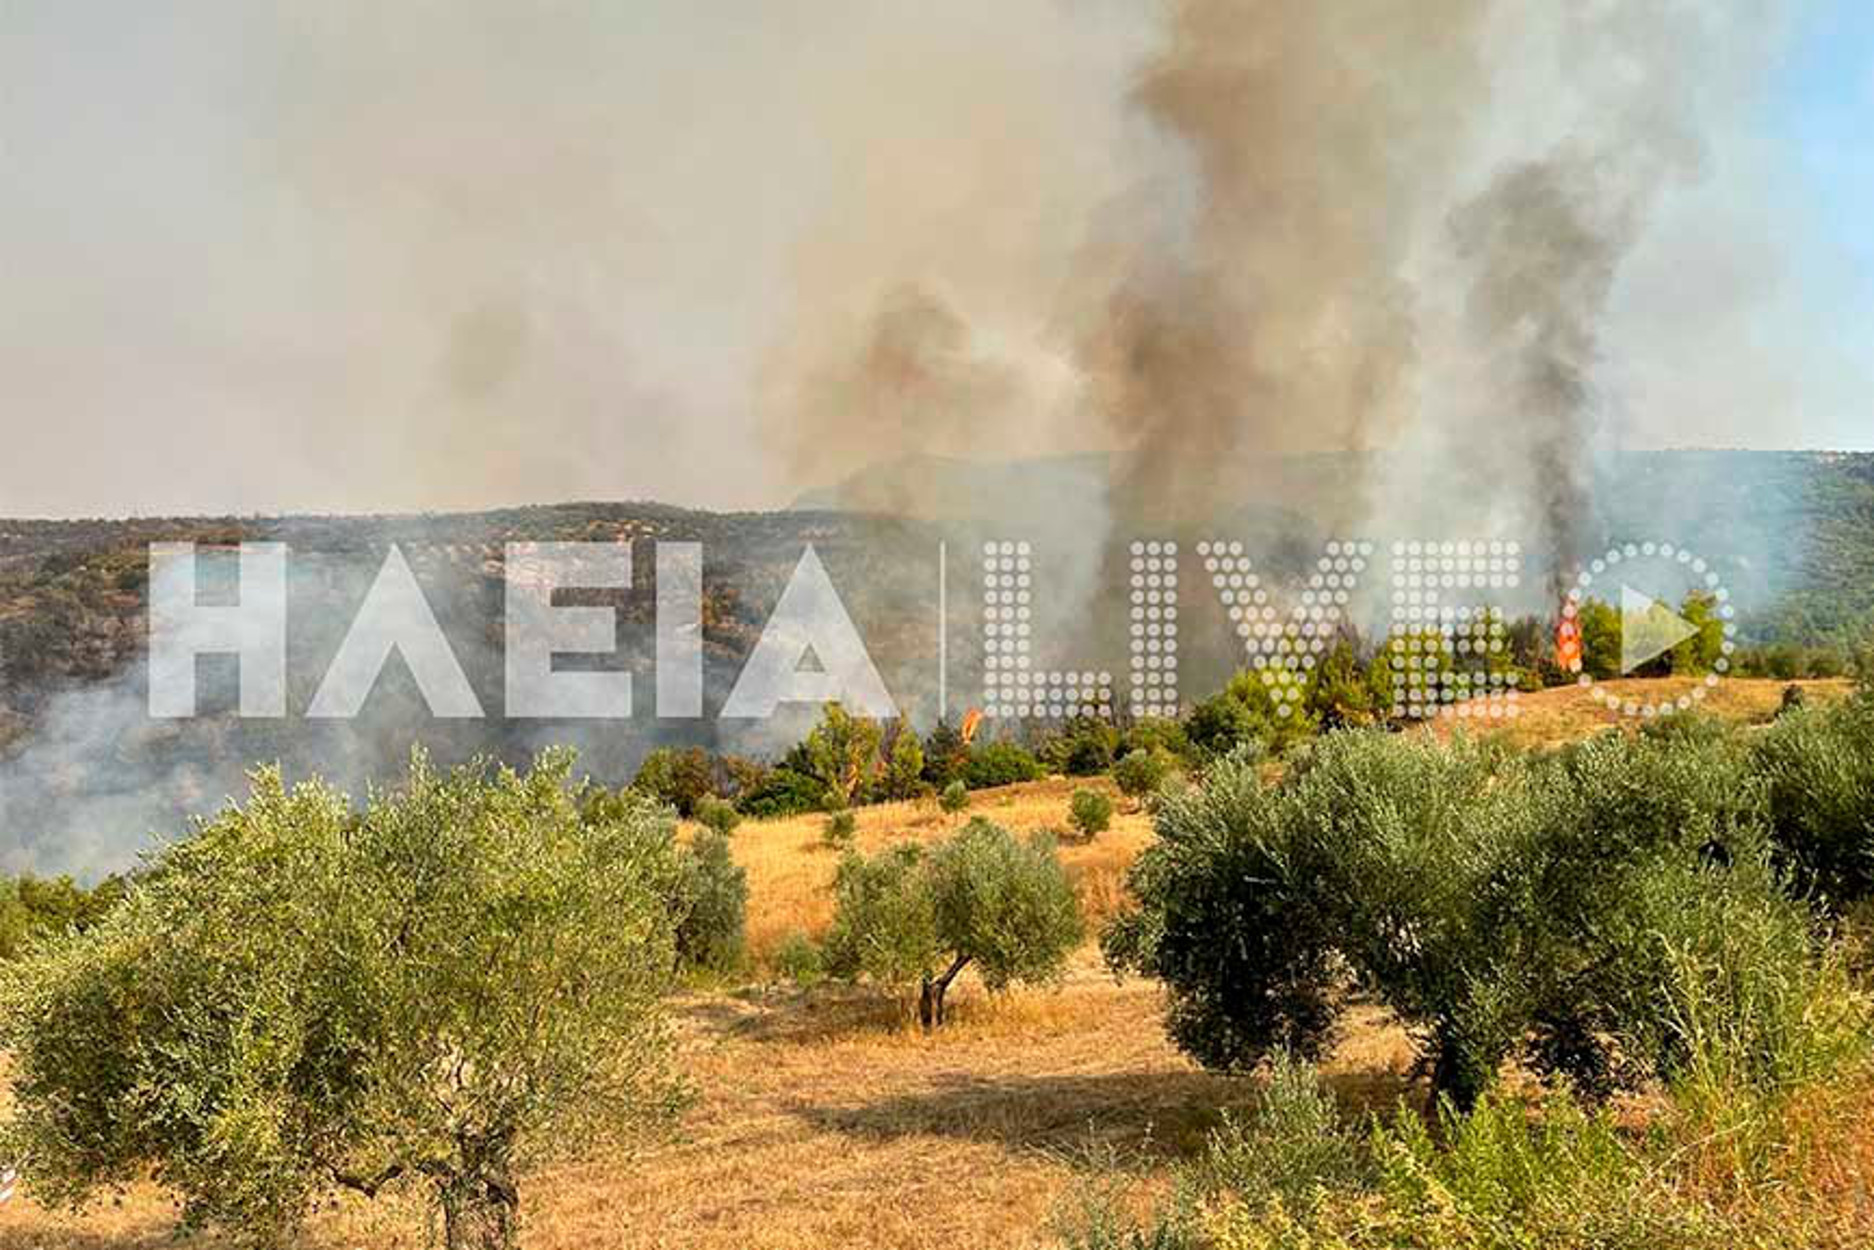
{"x": 1390, "y": 227}
{"x": 1253, "y": 305}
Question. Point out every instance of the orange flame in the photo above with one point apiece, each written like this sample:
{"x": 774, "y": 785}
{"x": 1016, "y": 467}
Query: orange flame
{"x": 1568, "y": 641}
{"x": 971, "y": 719}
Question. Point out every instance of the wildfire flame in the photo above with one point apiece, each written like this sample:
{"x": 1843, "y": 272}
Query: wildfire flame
{"x": 1568, "y": 640}
{"x": 971, "y": 719}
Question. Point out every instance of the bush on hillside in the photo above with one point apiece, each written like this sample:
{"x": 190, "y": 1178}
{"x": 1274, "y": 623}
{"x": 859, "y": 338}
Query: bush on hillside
{"x": 783, "y": 792}
{"x": 1090, "y": 812}
{"x": 711, "y": 906}
{"x": 945, "y": 755}
{"x": 842, "y": 751}
{"x": 717, "y": 815}
{"x": 1157, "y": 734}
{"x": 1818, "y": 766}
{"x": 1246, "y": 711}
{"x": 799, "y": 959}
{"x": 1140, "y": 773}
{"x": 1083, "y": 747}
{"x": 1001, "y": 764}
{"x": 842, "y": 827}
{"x": 679, "y": 776}
{"x": 904, "y": 763}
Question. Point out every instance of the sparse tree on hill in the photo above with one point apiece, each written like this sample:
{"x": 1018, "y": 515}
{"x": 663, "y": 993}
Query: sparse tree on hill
{"x": 1140, "y": 773}
{"x": 842, "y": 751}
{"x": 913, "y": 917}
{"x": 904, "y": 778}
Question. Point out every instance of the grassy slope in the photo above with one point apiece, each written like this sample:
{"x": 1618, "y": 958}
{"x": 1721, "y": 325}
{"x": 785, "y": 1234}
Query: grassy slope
{"x": 823, "y": 1118}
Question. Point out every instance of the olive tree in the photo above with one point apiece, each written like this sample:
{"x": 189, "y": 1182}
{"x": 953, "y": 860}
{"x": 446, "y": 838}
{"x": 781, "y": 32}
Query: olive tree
{"x": 1499, "y": 906}
{"x": 914, "y": 917}
{"x": 438, "y": 991}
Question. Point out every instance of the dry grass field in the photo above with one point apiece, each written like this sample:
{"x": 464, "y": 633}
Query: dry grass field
{"x": 1548, "y": 717}
{"x": 825, "y": 1118}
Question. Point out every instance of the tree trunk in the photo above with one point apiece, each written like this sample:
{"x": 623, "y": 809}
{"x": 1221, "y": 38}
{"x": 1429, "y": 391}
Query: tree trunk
{"x": 480, "y": 1213}
{"x": 930, "y": 1000}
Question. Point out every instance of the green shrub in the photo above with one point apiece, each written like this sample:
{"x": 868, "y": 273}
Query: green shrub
{"x": 884, "y": 929}
{"x": 711, "y": 905}
{"x": 955, "y": 798}
{"x": 981, "y": 899}
{"x": 1228, "y": 920}
{"x": 783, "y": 792}
{"x": 681, "y": 777}
{"x": 35, "y": 909}
{"x": 1818, "y": 764}
{"x": 842, "y": 752}
{"x": 1084, "y": 747}
{"x": 1247, "y": 711}
{"x": 718, "y": 815}
{"x": 1289, "y": 1146}
{"x": 1140, "y": 773}
{"x": 841, "y": 828}
{"x": 799, "y": 959}
{"x": 1001, "y": 764}
{"x": 1497, "y": 906}
{"x": 945, "y": 755}
{"x": 904, "y": 767}
{"x": 1091, "y": 812}
{"x": 438, "y": 993}
{"x": 1158, "y": 734}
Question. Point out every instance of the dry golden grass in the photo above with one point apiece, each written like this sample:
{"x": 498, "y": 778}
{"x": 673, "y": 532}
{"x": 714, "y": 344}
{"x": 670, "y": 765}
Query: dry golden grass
{"x": 790, "y": 868}
{"x": 1549, "y": 717}
{"x": 826, "y": 1119}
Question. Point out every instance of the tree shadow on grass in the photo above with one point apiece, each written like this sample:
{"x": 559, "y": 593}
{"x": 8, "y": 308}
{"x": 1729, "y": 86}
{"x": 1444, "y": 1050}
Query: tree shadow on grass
{"x": 801, "y": 1017}
{"x": 1153, "y": 1116}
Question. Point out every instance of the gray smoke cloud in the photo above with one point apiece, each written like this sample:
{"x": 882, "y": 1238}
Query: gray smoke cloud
{"x": 1394, "y": 228}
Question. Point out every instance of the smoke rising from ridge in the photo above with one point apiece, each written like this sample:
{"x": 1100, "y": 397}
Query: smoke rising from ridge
{"x": 1394, "y": 227}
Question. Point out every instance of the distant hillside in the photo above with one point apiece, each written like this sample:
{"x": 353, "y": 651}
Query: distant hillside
{"x": 85, "y": 774}
{"x": 1793, "y": 531}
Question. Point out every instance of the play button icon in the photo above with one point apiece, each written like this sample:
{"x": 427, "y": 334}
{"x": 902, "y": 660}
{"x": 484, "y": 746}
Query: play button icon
{"x": 1648, "y": 629}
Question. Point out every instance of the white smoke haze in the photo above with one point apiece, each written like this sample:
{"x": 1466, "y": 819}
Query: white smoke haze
{"x": 357, "y": 258}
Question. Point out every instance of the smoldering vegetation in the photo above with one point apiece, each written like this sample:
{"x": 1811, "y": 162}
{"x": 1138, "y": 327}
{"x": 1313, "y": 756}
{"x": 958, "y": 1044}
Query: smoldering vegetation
{"x": 89, "y": 778}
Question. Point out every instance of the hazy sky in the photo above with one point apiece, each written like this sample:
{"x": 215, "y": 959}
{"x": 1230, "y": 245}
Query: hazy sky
{"x": 357, "y": 257}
